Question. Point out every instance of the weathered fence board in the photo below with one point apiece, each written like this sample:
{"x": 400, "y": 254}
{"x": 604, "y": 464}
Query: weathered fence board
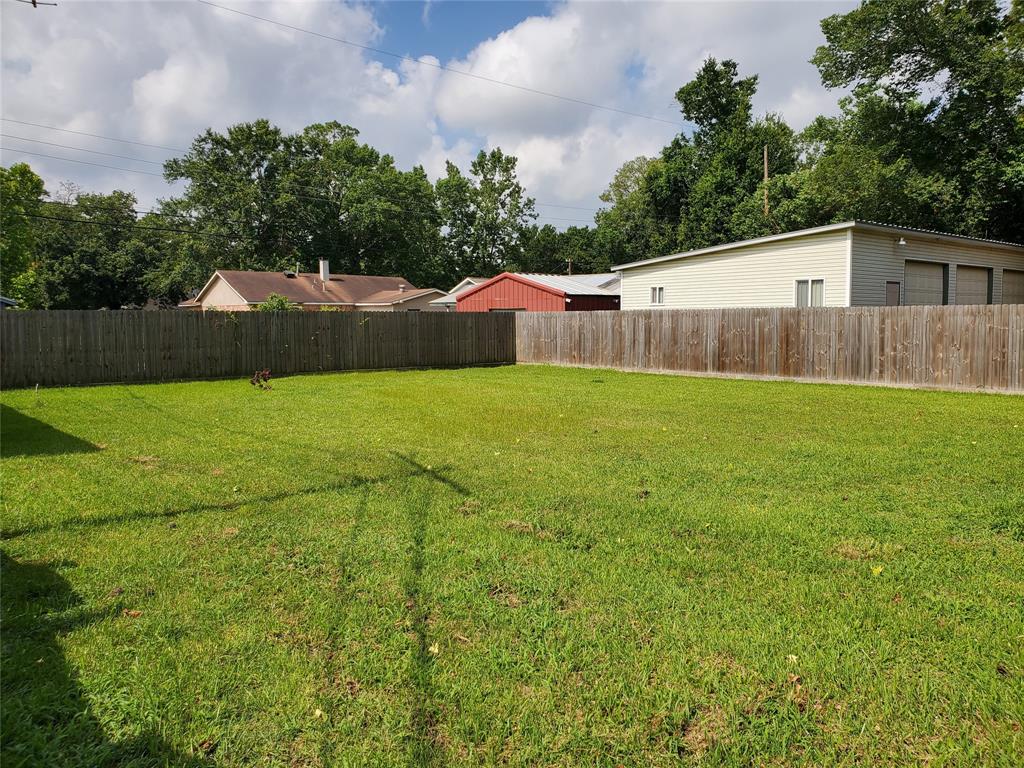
{"x": 953, "y": 347}
{"x": 68, "y": 347}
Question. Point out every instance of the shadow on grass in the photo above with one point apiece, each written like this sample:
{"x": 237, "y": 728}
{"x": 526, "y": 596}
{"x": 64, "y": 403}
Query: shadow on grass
{"x": 424, "y": 748}
{"x": 433, "y": 474}
{"x": 22, "y": 435}
{"x": 47, "y": 719}
{"x": 198, "y": 507}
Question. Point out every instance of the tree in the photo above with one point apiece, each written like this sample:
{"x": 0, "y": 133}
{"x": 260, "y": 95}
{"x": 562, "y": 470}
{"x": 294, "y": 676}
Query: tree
{"x": 90, "y": 254}
{"x": 21, "y": 198}
{"x": 717, "y": 99}
{"x": 540, "y": 251}
{"x": 689, "y": 197}
{"x": 280, "y": 200}
{"x": 938, "y": 89}
{"x": 485, "y": 216}
{"x": 547, "y": 250}
{"x": 630, "y": 228}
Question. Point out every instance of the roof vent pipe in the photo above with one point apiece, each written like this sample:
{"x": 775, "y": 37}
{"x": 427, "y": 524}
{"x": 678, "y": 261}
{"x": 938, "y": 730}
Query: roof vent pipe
{"x": 401, "y": 287}
{"x": 325, "y": 271}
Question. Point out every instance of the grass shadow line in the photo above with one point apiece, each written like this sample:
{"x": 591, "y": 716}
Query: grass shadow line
{"x": 354, "y": 482}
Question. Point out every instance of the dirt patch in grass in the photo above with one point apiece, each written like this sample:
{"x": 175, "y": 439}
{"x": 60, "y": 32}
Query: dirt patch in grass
{"x": 468, "y": 507}
{"x": 503, "y": 594}
{"x": 865, "y": 549}
{"x": 565, "y": 536}
{"x": 528, "y": 529}
{"x": 146, "y": 462}
{"x": 702, "y": 731}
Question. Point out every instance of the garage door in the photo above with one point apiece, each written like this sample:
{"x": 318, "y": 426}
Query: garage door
{"x": 1013, "y": 286}
{"x": 972, "y": 285}
{"x": 924, "y": 282}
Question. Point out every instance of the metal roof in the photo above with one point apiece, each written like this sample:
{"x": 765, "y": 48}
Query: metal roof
{"x": 578, "y": 285}
{"x": 464, "y": 285}
{"x": 856, "y": 225}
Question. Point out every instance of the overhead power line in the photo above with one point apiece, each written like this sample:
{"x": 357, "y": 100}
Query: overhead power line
{"x": 445, "y": 68}
{"x": 79, "y": 149}
{"x": 92, "y": 135}
{"x": 82, "y": 162}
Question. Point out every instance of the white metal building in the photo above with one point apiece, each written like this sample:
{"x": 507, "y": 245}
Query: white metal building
{"x": 854, "y": 263}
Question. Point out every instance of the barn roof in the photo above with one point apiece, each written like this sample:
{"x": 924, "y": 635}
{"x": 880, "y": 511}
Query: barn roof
{"x": 562, "y": 285}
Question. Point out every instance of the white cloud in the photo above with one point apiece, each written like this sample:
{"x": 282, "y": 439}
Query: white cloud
{"x": 162, "y": 72}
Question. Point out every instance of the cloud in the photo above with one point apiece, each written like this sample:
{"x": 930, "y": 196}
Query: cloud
{"x": 163, "y": 72}
{"x": 630, "y": 57}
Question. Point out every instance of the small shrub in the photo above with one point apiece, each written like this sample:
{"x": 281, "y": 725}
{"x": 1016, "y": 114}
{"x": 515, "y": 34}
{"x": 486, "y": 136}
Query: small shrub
{"x": 275, "y": 302}
{"x": 261, "y": 379}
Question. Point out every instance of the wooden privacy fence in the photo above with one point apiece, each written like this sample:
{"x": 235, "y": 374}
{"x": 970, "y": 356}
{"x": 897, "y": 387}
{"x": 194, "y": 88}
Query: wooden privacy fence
{"x": 68, "y": 347}
{"x": 967, "y": 347}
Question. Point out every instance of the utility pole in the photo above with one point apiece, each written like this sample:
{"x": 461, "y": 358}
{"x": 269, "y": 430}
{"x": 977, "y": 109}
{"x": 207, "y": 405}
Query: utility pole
{"x": 766, "y": 181}
{"x": 569, "y": 260}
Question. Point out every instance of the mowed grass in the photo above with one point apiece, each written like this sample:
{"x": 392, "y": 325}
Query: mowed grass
{"x": 521, "y": 566}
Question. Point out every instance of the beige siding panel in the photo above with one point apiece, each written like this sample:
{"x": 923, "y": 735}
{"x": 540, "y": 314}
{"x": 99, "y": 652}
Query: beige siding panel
{"x": 222, "y": 296}
{"x": 762, "y": 275}
{"x": 1013, "y": 286}
{"x": 877, "y": 258}
{"x": 972, "y": 285}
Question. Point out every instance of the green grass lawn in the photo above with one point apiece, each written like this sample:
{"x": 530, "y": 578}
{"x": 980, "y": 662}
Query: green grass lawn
{"x": 522, "y": 565}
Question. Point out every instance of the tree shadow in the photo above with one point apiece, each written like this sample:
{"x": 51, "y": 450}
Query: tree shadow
{"x": 46, "y": 717}
{"x": 197, "y": 508}
{"x": 423, "y": 747}
{"x": 434, "y": 474}
{"x": 425, "y": 744}
{"x": 22, "y": 435}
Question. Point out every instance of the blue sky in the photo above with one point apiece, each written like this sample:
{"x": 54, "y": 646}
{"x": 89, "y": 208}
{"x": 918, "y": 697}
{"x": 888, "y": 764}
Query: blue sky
{"x": 161, "y": 72}
{"x": 448, "y": 29}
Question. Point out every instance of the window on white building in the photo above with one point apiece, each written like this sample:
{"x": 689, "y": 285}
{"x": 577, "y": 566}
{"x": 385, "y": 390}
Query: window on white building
{"x": 657, "y": 295}
{"x": 810, "y": 293}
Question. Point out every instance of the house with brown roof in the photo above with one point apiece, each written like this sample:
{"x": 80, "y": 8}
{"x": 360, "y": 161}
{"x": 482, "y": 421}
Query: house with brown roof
{"x": 240, "y": 291}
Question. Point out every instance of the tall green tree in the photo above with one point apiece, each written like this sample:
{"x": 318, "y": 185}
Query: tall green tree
{"x": 689, "y": 197}
{"x": 938, "y": 93}
{"x": 630, "y": 227}
{"x": 21, "y": 198}
{"x": 281, "y": 200}
{"x": 485, "y": 215}
{"x": 90, "y": 254}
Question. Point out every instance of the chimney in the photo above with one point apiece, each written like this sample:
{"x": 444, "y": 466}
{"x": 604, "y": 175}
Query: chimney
{"x": 401, "y": 287}
{"x": 325, "y": 270}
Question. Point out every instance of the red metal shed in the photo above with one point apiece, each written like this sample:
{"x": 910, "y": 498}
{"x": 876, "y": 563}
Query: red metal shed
{"x": 514, "y": 292}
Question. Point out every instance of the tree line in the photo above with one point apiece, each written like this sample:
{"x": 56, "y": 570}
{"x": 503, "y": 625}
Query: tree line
{"x": 929, "y": 133}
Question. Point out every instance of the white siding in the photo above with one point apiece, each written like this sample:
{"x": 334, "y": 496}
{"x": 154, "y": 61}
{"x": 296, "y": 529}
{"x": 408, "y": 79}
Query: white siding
{"x": 877, "y": 258}
{"x": 762, "y": 275}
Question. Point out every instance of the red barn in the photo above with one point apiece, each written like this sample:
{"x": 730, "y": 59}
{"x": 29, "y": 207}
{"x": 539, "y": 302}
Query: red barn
{"x": 515, "y": 292}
